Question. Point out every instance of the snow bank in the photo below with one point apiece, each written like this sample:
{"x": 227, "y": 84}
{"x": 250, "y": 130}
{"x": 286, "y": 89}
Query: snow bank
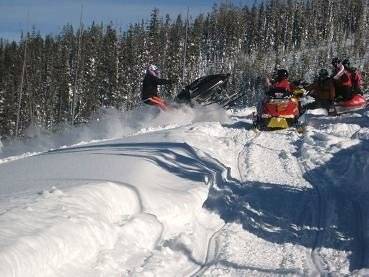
{"x": 128, "y": 207}
{"x": 134, "y": 206}
{"x": 48, "y": 234}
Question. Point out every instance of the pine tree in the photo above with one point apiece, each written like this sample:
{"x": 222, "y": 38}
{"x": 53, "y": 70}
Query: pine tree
{"x": 68, "y": 77}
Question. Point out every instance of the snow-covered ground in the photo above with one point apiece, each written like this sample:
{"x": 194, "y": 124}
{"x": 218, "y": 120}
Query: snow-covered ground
{"x": 190, "y": 192}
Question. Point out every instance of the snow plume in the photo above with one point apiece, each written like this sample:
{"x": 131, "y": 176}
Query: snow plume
{"x": 110, "y": 124}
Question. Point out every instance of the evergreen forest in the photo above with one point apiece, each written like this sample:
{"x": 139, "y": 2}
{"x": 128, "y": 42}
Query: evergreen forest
{"x": 64, "y": 79}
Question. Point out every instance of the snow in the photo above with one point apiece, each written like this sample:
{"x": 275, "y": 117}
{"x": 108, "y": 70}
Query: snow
{"x": 189, "y": 192}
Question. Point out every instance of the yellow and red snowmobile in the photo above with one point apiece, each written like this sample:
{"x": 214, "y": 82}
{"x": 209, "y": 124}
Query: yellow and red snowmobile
{"x": 279, "y": 109}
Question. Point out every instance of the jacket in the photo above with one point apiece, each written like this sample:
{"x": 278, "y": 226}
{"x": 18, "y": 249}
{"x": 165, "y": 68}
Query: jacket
{"x": 342, "y": 78}
{"x": 150, "y": 86}
{"x": 283, "y": 85}
{"x": 322, "y": 90}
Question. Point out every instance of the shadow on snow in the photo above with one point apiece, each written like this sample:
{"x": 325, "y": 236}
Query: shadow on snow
{"x": 276, "y": 213}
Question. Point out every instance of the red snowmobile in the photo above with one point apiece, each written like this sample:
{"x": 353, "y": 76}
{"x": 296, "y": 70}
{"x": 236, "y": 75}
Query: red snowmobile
{"x": 356, "y": 103}
{"x": 279, "y": 109}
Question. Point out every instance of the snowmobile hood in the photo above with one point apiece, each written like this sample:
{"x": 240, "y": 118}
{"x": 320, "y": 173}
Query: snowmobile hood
{"x": 203, "y": 87}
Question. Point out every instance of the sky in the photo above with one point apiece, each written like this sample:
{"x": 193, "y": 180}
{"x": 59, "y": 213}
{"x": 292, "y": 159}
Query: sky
{"x": 49, "y": 16}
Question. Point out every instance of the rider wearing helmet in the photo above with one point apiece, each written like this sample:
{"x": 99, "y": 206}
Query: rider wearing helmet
{"x": 150, "y": 85}
{"x": 322, "y": 90}
{"x": 342, "y": 80}
{"x": 280, "y": 83}
{"x": 356, "y": 77}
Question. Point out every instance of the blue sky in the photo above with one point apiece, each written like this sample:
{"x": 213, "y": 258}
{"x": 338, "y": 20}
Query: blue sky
{"x": 49, "y": 16}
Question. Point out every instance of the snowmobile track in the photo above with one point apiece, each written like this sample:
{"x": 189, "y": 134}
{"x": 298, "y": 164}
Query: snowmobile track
{"x": 321, "y": 227}
{"x": 316, "y": 261}
{"x": 213, "y": 243}
{"x": 359, "y": 230}
{"x": 321, "y": 220}
{"x": 326, "y": 194}
{"x": 241, "y": 153}
{"x": 211, "y": 254}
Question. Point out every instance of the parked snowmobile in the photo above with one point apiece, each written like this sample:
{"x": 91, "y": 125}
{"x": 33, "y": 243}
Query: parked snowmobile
{"x": 356, "y": 103}
{"x": 279, "y": 109}
{"x": 204, "y": 90}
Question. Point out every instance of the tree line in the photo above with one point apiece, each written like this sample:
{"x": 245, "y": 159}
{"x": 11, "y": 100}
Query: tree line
{"x": 65, "y": 78}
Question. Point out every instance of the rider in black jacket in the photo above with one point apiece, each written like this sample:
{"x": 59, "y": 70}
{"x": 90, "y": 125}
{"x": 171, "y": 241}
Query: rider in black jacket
{"x": 150, "y": 87}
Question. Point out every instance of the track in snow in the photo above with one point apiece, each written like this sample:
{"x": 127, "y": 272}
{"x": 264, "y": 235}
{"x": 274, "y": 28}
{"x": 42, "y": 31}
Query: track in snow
{"x": 254, "y": 201}
{"x": 336, "y": 210}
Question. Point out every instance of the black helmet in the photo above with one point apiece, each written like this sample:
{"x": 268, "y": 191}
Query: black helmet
{"x": 323, "y": 74}
{"x": 336, "y": 61}
{"x": 282, "y": 74}
{"x": 346, "y": 63}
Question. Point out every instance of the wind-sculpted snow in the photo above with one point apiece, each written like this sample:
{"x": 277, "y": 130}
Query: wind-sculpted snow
{"x": 61, "y": 230}
{"x": 114, "y": 208}
{"x": 192, "y": 198}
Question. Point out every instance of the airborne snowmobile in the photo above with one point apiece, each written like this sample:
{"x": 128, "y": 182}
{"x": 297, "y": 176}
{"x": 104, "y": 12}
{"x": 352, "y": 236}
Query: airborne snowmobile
{"x": 205, "y": 90}
{"x": 279, "y": 109}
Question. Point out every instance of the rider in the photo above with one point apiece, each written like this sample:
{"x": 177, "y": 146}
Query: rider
{"x": 280, "y": 84}
{"x": 356, "y": 77}
{"x": 322, "y": 90}
{"x": 342, "y": 80}
{"x": 150, "y": 85}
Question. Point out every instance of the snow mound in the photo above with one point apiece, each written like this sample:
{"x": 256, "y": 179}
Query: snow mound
{"x": 64, "y": 223}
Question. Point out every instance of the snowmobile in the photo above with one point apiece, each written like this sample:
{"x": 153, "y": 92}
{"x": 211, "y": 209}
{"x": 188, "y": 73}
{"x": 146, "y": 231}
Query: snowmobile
{"x": 205, "y": 90}
{"x": 356, "y": 103}
{"x": 279, "y": 109}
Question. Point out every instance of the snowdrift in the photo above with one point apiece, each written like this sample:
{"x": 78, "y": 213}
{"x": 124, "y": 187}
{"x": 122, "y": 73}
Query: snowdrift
{"x": 197, "y": 194}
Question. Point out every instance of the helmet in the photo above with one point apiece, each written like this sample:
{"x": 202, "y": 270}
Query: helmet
{"x": 282, "y": 74}
{"x": 336, "y": 61}
{"x": 153, "y": 70}
{"x": 323, "y": 74}
{"x": 346, "y": 63}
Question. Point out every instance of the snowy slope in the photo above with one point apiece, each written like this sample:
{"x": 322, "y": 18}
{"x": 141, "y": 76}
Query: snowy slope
{"x": 193, "y": 192}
